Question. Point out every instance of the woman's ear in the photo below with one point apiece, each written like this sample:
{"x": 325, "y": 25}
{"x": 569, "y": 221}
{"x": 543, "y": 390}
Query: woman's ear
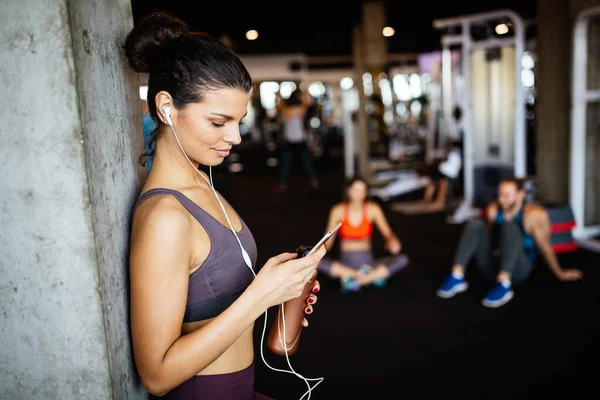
{"x": 163, "y": 99}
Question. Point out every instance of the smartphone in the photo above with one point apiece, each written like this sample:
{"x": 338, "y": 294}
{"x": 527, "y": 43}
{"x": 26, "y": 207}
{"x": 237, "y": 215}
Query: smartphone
{"x": 325, "y": 238}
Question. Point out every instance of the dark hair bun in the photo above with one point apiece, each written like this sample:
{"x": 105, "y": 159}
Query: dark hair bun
{"x": 147, "y": 44}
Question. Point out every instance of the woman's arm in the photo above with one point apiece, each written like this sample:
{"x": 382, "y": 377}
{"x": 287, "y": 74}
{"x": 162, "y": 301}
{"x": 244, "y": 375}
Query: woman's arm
{"x": 161, "y": 256}
{"x": 391, "y": 241}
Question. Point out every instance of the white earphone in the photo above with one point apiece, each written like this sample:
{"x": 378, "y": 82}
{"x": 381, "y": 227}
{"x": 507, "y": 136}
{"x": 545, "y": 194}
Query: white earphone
{"x": 167, "y": 111}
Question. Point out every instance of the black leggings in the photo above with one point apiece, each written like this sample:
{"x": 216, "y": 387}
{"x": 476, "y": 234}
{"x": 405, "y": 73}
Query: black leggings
{"x": 475, "y": 241}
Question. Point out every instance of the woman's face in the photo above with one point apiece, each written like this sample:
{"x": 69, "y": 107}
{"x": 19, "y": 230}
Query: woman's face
{"x": 357, "y": 192}
{"x": 209, "y": 129}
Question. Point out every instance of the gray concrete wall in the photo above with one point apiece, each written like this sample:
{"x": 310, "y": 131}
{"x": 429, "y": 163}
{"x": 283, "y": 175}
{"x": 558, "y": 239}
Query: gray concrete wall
{"x": 52, "y": 337}
{"x": 70, "y": 136}
{"x": 113, "y": 132}
{"x": 553, "y": 103}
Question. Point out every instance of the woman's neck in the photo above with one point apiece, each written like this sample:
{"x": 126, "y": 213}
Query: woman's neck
{"x": 355, "y": 205}
{"x": 171, "y": 168}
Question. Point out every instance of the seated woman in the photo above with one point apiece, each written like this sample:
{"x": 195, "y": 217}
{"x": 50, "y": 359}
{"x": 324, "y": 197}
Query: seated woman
{"x": 357, "y": 266}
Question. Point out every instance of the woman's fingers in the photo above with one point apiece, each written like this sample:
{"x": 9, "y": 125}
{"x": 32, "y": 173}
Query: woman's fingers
{"x": 282, "y": 258}
{"x": 316, "y": 287}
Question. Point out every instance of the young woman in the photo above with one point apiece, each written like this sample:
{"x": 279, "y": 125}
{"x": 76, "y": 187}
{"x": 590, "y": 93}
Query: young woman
{"x": 357, "y": 266}
{"x": 194, "y": 291}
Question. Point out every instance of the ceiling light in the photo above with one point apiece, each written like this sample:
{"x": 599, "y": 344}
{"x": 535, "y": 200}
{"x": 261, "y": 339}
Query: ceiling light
{"x": 501, "y": 29}
{"x": 251, "y": 34}
{"x": 388, "y": 31}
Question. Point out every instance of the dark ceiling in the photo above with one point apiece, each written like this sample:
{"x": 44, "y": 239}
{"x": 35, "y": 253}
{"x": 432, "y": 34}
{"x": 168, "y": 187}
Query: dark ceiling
{"x": 321, "y": 27}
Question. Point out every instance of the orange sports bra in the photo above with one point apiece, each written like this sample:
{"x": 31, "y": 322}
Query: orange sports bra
{"x": 360, "y": 231}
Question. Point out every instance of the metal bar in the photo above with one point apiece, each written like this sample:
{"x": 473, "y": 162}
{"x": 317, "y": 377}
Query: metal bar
{"x": 470, "y": 18}
{"x": 468, "y": 173}
{"x": 520, "y": 143}
{"x": 579, "y": 100}
{"x": 520, "y": 122}
{"x": 446, "y": 91}
{"x": 491, "y": 43}
{"x": 592, "y": 96}
{"x": 349, "y": 136}
{"x": 451, "y": 40}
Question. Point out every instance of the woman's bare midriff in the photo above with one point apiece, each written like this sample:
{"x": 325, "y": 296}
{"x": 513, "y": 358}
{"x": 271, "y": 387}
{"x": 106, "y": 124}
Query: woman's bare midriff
{"x": 355, "y": 245}
{"x": 237, "y": 357}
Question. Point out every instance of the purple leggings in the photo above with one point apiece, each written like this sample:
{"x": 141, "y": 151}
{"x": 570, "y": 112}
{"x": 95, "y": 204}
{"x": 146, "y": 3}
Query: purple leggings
{"x": 233, "y": 386}
{"x": 354, "y": 259}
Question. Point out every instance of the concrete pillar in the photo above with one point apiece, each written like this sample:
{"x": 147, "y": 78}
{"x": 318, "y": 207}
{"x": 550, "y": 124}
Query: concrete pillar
{"x": 361, "y": 135}
{"x": 376, "y": 56}
{"x": 375, "y": 44}
{"x": 553, "y": 102}
{"x": 554, "y": 44}
{"x": 72, "y": 132}
{"x": 370, "y": 55}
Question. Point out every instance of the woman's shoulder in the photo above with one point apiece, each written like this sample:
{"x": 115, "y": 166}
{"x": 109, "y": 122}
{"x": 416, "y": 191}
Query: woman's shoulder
{"x": 372, "y": 205}
{"x": 161, "y": 211}
{"x": 338, "y": 208}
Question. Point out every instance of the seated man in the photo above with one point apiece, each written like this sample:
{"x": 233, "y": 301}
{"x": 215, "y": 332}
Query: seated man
{"x": 521, "y": 229}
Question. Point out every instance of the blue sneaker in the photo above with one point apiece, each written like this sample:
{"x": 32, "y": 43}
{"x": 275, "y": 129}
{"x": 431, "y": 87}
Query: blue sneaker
{"x": 380, "y": 282}
{"x": 349, "y": 285}
{"x": 451, "y": 286}
{"x": 498, "y": 295}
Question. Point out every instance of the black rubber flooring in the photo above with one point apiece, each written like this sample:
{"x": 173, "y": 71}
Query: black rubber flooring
{"x": 401, "y": 341}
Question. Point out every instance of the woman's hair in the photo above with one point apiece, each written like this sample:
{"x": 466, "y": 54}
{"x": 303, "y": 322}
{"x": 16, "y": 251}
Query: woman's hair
{"x": 352, "y": 181}
{"x": 186, "y": 64}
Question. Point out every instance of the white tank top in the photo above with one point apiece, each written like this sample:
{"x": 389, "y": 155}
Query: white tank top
{"x": 293, "y": 125}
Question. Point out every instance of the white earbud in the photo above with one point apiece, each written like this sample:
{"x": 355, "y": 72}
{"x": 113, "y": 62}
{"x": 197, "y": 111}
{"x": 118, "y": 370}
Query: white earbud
{"x": 167, "y": 111}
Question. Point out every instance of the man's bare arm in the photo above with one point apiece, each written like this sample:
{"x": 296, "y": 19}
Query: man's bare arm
{"x": 540, "y": 226}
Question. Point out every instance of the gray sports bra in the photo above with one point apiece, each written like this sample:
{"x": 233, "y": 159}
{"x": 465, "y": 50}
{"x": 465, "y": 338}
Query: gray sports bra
{"x": 224, "y": 275}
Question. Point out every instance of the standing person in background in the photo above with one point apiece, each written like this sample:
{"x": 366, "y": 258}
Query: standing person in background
{"x": 294, "y": 141}
{"x": 149, "y": 127}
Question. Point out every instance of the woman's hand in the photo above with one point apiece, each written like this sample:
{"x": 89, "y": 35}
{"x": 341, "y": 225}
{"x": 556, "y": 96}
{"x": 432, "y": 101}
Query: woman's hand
{"x": 393, "y": 245}
{"x": 311, "y": 301}
{"x": 284, "y": 277}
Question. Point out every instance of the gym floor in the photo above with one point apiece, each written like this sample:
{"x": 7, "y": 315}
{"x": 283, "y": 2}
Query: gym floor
{"x": 401, "y": 341}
